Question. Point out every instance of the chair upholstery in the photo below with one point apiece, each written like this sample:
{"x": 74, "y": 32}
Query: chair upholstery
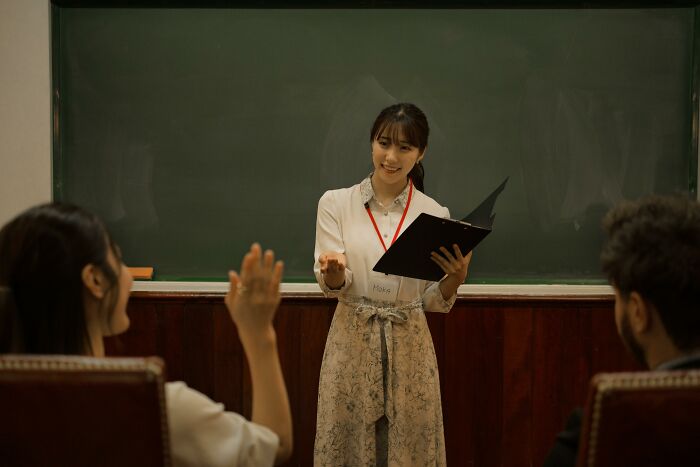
{"x": 80, "y": 411}
{"x": 642, "y": 419}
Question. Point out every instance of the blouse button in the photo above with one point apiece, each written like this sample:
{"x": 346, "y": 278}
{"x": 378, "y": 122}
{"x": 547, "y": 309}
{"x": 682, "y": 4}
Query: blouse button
{"x": 386, "y": 213}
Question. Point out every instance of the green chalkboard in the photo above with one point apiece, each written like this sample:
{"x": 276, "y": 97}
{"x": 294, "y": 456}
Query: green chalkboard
{"x": 194, "y": 132}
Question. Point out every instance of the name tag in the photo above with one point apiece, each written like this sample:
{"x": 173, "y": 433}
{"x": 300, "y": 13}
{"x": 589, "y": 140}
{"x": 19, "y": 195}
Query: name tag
{"x": 383, "y": 287}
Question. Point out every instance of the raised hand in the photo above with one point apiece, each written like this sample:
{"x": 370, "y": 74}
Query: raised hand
{"x": 253, "y": 296}
{"x": 252, "y": 300}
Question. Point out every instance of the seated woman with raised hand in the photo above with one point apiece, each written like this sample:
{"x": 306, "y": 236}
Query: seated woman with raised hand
{"x": 65, "y": 288}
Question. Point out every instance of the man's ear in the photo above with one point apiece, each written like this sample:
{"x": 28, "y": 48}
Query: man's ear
{"x": 92, "y": 280}
{"x": 639, "y": 312}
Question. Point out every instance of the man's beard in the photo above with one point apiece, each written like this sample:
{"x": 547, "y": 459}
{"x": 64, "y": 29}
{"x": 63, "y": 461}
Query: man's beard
{"x": 630, "y": 342}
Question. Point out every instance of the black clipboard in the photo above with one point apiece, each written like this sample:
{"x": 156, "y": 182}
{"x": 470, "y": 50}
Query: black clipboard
{"x": 409, "y": 256}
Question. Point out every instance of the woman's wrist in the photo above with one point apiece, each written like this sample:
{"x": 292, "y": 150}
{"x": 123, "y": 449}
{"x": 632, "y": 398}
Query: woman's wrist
{"x": 334, "y": 283}
{"x": 259, "y": 340}
{"x": 449, "y": 286}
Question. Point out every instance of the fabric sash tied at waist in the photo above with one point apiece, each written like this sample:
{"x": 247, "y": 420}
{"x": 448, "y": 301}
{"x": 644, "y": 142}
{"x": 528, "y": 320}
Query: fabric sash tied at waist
{"x": 379, "y": 316}
{"x": 394, "y": 315}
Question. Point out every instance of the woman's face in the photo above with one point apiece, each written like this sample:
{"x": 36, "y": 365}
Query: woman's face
{"x": 393, "y": 160}
{"x": 118, "y": 321}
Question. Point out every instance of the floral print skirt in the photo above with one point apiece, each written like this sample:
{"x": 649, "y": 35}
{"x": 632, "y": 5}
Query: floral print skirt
{"x": 358, "y": 387}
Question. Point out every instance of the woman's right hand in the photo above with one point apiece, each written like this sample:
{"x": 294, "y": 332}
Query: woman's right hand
{"x": 333, "y": 268}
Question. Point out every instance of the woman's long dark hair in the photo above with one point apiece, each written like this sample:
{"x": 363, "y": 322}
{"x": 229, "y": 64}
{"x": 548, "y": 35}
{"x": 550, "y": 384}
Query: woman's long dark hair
{"x": 42, "y": 254}
{"x": 411, "y": 121}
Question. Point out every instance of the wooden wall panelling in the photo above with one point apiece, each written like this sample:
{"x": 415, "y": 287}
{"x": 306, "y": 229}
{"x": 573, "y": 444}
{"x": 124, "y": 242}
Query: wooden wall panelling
{"x": 516, "y": 423}
{"x": 511, "y": 369}
{"x": 171, "y": 325}
{"x": 288, "y": 329}
{"x": 473, "y": 339}
{"x": 315, "y": 323}
{"x": 198, "y": 349}
{"x": 560, "y": 370}
{"x": 230, "y": 372}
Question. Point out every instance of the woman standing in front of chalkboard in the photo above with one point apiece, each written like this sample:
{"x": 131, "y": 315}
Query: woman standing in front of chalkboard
{"x": 379, "y": 390}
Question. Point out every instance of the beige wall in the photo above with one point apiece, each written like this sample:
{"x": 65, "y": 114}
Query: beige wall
{"x": 25, "y": 105}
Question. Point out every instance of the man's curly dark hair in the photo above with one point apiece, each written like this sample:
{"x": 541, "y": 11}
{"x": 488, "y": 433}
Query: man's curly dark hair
{"x": 653, "y": 248}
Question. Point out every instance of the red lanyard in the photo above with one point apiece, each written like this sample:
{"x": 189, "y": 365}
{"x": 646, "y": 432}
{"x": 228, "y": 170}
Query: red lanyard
{"x": 398, "y": 229}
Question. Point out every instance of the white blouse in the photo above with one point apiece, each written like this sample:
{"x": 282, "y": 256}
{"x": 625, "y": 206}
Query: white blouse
{"x": 344, "y": 226}
{"x": 202, "y": 432}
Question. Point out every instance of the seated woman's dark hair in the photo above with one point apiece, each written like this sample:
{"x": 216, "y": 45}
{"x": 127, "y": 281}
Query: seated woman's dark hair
{"x": 42, "y": 254}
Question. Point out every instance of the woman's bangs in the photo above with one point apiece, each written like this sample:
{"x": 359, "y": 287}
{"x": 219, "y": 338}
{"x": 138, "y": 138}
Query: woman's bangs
{"x": 398, "y": 130}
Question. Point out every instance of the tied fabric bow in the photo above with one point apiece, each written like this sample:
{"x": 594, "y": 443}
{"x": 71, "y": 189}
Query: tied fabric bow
{"x": 379, "y": 317}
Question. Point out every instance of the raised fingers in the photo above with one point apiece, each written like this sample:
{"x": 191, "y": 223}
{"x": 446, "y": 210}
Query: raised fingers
{"x": 234, "y": 281}
{"x": 250, "y": 262}
{"x": 268, "y": 259}
{"x": 277, "y": 271}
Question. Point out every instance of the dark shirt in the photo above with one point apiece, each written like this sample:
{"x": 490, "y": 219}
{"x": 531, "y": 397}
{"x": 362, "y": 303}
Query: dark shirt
{"x": 565, "y": 449}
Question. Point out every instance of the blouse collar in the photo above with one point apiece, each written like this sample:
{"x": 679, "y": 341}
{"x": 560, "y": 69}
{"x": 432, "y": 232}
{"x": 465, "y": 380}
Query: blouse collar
{"x": 367, "y": 192}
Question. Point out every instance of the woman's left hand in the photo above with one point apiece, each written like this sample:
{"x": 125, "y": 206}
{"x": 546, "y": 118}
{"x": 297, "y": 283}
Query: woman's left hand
{"x": 455, "y": 265}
